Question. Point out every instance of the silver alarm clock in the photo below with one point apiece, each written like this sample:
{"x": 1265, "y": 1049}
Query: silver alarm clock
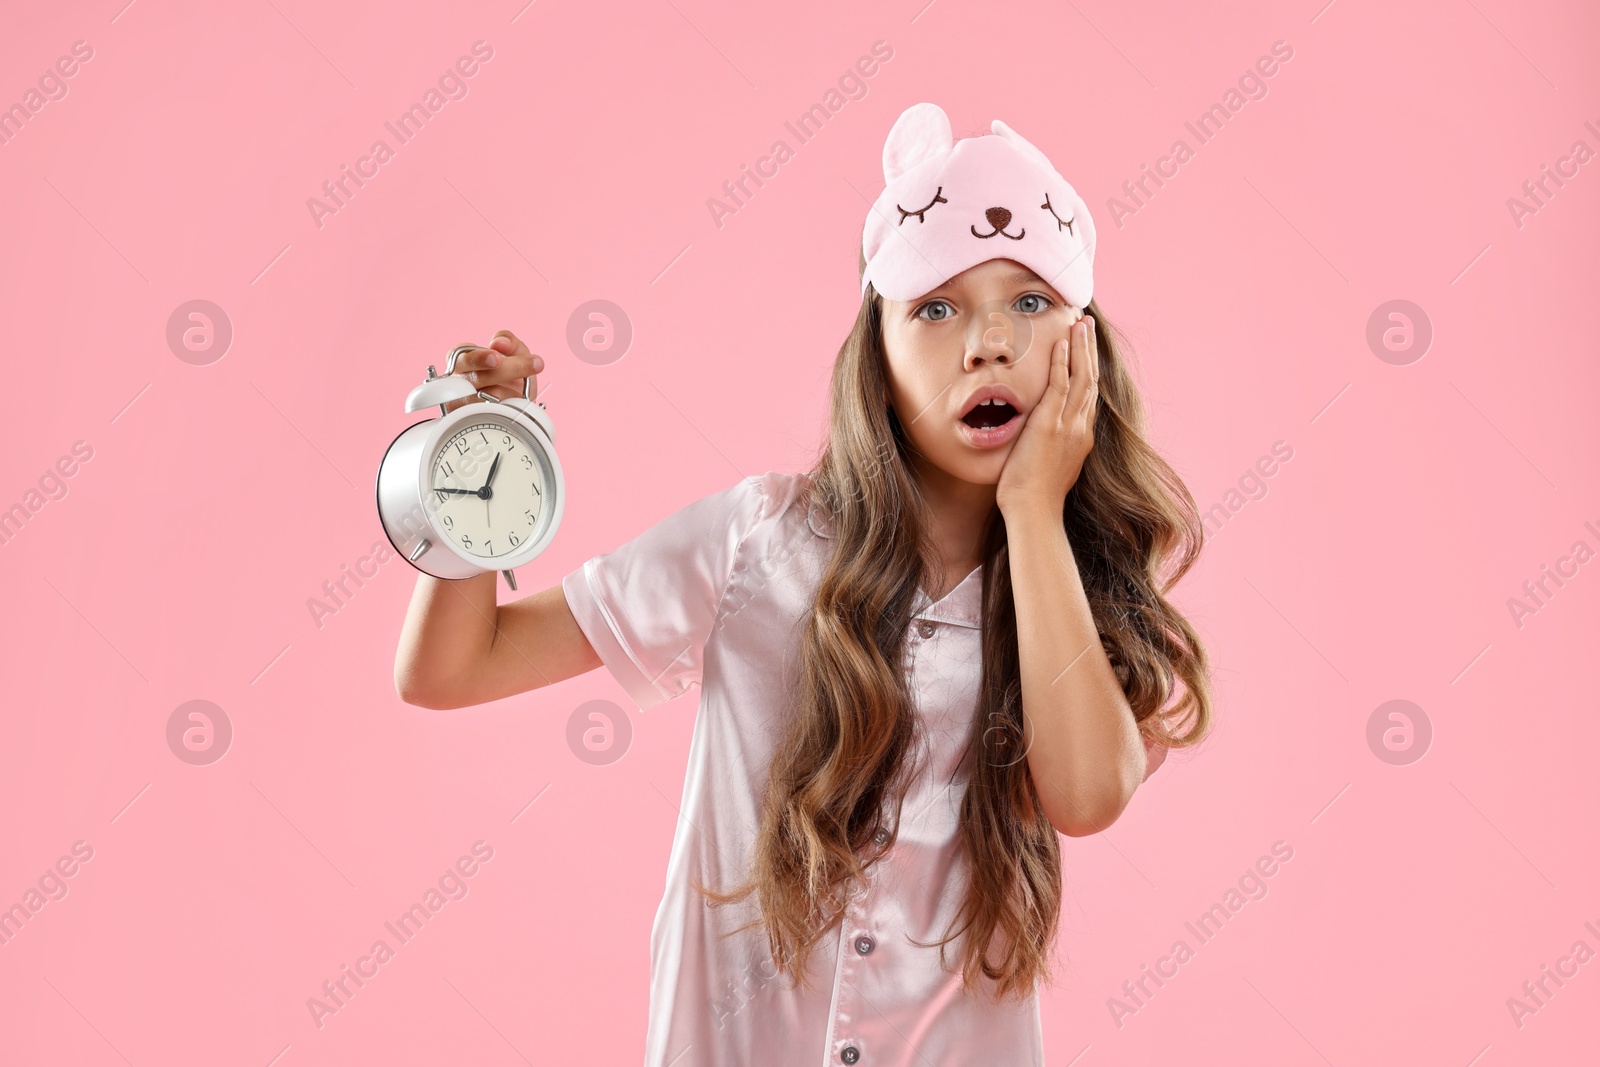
{"x": 478, "y": 489}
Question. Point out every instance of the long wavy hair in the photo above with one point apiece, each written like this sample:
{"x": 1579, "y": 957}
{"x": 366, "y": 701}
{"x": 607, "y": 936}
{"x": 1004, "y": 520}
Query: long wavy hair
{"x": 845, "y": 755}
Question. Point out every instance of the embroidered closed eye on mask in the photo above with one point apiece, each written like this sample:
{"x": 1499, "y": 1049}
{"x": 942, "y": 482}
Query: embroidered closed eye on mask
{"x": 948, "y": 205}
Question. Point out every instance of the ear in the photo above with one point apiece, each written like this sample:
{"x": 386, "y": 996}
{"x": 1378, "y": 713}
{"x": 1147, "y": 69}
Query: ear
{"x": 1022, "y": 145}
{"x": 920, "y": 133}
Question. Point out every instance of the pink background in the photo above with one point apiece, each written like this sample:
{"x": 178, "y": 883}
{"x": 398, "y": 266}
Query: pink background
{"x": 219, "y": 498}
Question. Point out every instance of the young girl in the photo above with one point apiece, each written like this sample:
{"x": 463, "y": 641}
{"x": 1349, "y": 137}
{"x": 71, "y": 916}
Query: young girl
{"x": 919, "y": 662}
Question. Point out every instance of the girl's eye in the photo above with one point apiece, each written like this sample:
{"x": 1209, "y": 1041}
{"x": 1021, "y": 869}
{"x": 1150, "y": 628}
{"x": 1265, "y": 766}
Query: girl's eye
{"x": 1043, "y": 302}
{"x": 929, "y": 306}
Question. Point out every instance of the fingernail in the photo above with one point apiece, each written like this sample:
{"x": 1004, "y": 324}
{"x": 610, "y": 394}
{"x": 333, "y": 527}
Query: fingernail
{"x": 494, "y": 358}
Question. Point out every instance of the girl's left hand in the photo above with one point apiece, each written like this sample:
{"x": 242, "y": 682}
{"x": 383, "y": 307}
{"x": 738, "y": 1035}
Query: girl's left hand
{"x": 1050, "y": 450}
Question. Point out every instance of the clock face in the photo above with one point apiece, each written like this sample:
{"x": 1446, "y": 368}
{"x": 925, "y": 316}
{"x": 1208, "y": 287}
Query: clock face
{"x": 488, "y": 489}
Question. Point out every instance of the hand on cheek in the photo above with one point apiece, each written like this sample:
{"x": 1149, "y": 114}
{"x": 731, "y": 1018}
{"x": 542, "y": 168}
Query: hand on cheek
{"x": 1049, "y": 452}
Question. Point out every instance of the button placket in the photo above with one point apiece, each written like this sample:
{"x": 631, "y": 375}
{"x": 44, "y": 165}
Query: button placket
{"x": 844, "y": 998}
{"x": 856, "y": 943}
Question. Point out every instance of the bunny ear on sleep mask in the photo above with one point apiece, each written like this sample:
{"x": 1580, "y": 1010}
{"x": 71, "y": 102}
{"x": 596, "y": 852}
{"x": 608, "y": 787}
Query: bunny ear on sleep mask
{"x": 948, "y": 205}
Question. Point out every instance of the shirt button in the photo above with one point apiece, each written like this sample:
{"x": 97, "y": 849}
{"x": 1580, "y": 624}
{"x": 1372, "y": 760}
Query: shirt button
{"x": 925, "y": 628}
{"x": 849, "y": 1054}
{"x": 881, "y": 837}
{"x": 865, "y": 944}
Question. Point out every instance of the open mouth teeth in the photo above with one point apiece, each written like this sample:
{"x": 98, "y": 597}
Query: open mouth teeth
{"x": 989, "y": 414}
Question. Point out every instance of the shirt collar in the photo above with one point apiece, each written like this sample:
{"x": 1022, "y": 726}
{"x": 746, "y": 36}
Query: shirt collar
{"x": 961, "y": 606}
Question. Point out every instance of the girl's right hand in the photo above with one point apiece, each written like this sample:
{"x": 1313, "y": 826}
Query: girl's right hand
{"x": 499, "y": 369}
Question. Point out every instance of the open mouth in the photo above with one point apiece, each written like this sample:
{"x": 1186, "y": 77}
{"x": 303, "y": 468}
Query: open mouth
{"x": 989, "y": 414}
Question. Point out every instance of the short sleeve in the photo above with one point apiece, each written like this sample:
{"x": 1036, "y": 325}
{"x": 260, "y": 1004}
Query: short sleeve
{"x": 649, "y": 606}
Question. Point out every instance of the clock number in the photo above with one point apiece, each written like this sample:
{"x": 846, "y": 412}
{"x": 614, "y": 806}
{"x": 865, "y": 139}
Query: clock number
{"x": 441, "y": 495}
{"x": 527, "y": 461}
{"x": 449, "y": 470}
{"x": 510, "y": 444}
{"x": 466, "y": 542}
{"x": 514, "y": 541}
{"x": 485, "y": 439}
{"x": 461, "y": 446}
{"x": 536, "y": 490}
{"x": 449, "y": 523}
{"x": 488, "y": 548}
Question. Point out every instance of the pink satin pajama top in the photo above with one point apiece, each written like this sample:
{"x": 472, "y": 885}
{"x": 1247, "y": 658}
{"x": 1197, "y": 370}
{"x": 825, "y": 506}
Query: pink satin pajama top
{"x": 718, "y": 594}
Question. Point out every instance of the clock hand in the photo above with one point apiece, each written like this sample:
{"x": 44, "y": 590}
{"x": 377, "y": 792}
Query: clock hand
{"x": 463, "y": 492}
{"x": 488, "y": 493}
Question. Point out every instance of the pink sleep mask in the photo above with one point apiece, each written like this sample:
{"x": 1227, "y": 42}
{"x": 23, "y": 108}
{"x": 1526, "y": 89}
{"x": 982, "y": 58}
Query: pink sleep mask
{"x": 949, "y": 205}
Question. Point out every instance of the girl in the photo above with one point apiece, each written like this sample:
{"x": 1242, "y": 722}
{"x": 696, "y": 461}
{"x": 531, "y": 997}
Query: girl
{"x": 919, "y": 662}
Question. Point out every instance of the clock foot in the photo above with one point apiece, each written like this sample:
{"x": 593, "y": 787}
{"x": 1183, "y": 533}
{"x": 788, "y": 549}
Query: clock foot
{"x": 511, "y": 580}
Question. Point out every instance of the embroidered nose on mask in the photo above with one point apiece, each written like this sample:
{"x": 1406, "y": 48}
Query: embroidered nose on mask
{"x": 999, "y": 218}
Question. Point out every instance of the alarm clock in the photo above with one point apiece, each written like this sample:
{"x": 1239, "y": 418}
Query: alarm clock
{"x": 478, "y": 489}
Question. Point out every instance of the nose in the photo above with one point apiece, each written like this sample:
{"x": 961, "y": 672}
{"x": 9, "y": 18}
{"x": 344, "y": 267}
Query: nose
{"x": 991, "y": 341}
{"x": 998, "y": 217}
